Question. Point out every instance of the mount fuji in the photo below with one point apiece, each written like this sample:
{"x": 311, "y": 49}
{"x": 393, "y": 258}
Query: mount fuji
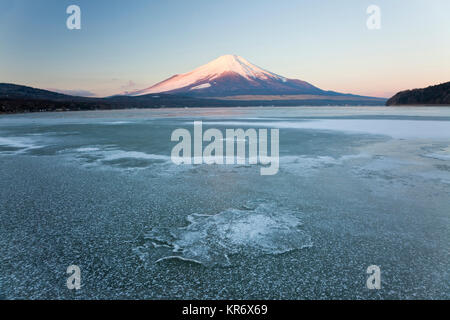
{"x": 228, "y": 81}
{"x": 232, "y": 75}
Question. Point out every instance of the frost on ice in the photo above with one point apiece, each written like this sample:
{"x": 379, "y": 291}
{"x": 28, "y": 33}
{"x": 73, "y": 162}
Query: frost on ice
{"x": 255, "y": 229}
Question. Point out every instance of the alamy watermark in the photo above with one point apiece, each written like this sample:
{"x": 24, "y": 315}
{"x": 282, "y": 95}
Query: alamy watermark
{"x": 235, "y": 141}
{"x": 374, "y": 279}
{"x": 374, "y": 20}
{"x": 73, "y": 22}
{"x": 74, "y": 280}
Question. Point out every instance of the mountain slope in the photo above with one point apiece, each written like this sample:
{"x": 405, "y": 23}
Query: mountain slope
{"x": 231, "y": 75}
{"x": 16, "y": 98}
{"x": 14, "y": 91}
{"x": 438, "y": 94}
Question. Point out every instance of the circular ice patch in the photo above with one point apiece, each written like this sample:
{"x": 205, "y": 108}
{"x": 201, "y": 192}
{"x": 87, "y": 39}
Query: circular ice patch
{"x": 255, "y": 229}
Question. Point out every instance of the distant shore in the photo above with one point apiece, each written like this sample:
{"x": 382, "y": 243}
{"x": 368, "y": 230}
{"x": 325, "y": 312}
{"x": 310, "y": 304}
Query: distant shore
{"x": 432, "y": 95}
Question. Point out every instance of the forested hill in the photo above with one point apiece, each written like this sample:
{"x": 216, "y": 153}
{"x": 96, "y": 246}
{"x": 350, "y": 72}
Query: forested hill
{"x": 433, "y": 95}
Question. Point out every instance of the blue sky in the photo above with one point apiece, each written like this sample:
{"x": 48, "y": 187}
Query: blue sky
{"x": 126, "y": 45}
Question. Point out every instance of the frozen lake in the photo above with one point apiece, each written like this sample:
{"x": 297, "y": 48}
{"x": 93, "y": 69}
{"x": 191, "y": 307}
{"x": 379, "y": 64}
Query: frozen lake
{"x": 356, "y": 186}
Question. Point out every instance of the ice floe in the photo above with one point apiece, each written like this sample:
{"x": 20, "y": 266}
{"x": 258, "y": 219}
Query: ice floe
{"x": 257, "y": 228}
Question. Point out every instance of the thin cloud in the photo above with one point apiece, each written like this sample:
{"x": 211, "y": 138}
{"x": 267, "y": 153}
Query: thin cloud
{"x": 129, "y": 85}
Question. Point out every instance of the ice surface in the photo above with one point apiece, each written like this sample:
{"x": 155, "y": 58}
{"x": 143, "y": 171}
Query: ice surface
{"x": 255, "y": 229}
{"x": 111, "y": 155}
{"x": 361, "y": 199}
{"x": 16, "y": 142}
{"x": 440, "y": 154}
{"x": 17, "y": 145}
{"x": 403, "y": 129}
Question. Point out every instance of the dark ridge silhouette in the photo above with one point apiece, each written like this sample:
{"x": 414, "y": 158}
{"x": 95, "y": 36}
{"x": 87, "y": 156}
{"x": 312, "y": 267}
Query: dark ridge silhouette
{"x": 20, "y": 99}
{"x": 433, "y": 95}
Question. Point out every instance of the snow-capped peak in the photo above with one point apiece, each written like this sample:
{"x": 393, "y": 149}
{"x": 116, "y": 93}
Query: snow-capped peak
{"x": 212, "y": 70}
{"x": 234, "y": 63}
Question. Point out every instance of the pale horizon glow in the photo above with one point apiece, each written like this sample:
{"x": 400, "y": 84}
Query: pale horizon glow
{"x": 126, "y": 46}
